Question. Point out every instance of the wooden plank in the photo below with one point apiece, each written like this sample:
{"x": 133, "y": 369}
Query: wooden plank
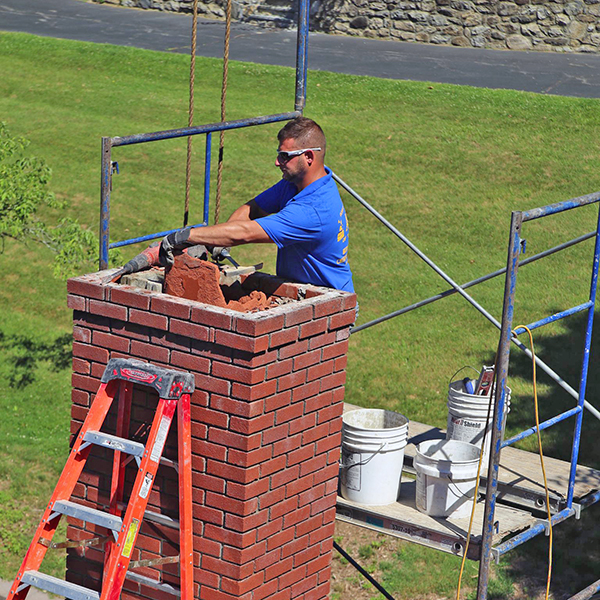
{"x": 404, "y": 521}
{"x": 520, "y": 475}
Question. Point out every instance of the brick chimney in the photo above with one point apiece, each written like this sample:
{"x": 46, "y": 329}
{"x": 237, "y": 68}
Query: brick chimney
{"x": 266, "y": 434}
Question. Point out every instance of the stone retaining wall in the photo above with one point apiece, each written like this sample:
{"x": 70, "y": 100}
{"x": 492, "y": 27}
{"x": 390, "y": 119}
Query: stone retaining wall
{"x": 555, "y": 25}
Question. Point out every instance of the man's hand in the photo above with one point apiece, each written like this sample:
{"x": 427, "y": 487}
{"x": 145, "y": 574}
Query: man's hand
{"x": 220, "y": 253}
{"x": 173, "y": 241}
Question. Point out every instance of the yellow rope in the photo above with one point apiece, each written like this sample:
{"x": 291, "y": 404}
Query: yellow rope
{"x": 188, "y": 170}
{"x": 539, "y": 437}
{"x": 223, "y": 107}
{"x": 474, "y": 505}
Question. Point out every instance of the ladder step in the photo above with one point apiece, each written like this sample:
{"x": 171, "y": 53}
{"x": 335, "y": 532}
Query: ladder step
{"x": 114, "y": 443}
{"x": 153, "y": 583}
{"x": 89, "y": 515}
{"x": 57, "y": 586}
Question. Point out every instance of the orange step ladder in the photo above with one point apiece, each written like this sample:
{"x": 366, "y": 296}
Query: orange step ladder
{"x": 174, "y": 389}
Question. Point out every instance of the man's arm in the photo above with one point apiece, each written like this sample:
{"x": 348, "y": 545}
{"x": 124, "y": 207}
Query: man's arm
{"x": 247, "y": 212}
{"x": 231, "y": 233}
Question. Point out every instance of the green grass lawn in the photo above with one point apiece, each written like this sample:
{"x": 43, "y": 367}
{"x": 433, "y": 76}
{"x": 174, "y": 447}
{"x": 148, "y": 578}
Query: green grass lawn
{"x": 445, "y": 164}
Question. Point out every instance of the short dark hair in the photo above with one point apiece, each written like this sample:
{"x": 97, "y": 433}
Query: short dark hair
{"x": 305, "y": 131}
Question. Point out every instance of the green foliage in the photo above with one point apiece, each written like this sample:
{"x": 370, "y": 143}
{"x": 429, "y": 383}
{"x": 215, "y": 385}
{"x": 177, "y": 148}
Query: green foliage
{"x": 23, "y": 196}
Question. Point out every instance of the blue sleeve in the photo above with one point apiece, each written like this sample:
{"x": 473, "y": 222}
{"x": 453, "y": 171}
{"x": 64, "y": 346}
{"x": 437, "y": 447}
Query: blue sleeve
{"x": 273, "y": 199}
{"x": 294, "y": 223}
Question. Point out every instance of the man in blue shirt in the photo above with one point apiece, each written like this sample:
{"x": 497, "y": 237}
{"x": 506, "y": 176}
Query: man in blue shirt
{"x": 302, "y": 214}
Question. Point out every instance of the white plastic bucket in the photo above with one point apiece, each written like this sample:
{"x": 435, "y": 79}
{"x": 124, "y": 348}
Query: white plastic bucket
{"x": 373, "y": 442}
{"x": 467, "y": 414}
{"x": 446, "y": 477}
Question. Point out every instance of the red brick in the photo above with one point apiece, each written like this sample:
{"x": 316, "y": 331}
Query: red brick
{"x": 281, "y": 367}
{"x": 211, "y": 384}
{"x": 329, "y": 413}
{"x": 241, "y": 587}
{"x": 208, "y": 450}
{"x": 305, "y": 391}
{"x": 280, "y": 539}
{"x": 288, "y": 413}
{"x": 235, "y": 373}
{"x": 257, "y": 489}
{"x": 197, "y": 332}
{"x": 307, "y": 359}
{"x": 303, "y": 423}
{"x": 333, "y": 381}
{"x": 232, "y": 473}
{"x": 247, "y": 523}
{"x": 349, "y": 301}
{"x": 213, "y": 317}
{"x": 335, "y": 350}
{"x": 299, "y": 544}
{"x": 247, "y": 359}
{"x": 248, "y": 410}
{"x": 285, "y": 476}
{"x": 299, "y": 315}
{"x": 85, "y": 288}
{"x": 292, "y": 577}
{"x": 106, "y": 309}
{"x": 291, "y": 381}
{"x": 309, "y": 525}
{"x": 255, "y": 392}
{"x": 299, "y": 485}
{"x": 249, "y": 426}
{"x": 340, "y": 364}
{"x": 248, "y": 459}
{"x": 320, "y": 401}
{"x": 324, "y": 504}
{"x": 278, "y": 569}
{"x": 171, "y": 306}
{"x": 273, "y": 466}
{"x": 231, "y": 538}
{"x": 240, "y": 342}
{"x": 80, "y": 397}
{"x": 270, "y": 498}
{"x": 315, "y": 433}
{"x": 76, "y": 302}
{"x": 324, "y": 339}
{"x": 314, "y": 464}
{"x": 311, "y": 495}
{"x": 149, "y": 352}
{"x": 240, "y": 556}
{"x": 207, "y": 482}
{"x": 90, "y": 352}
{"x": 190, "y": 362}
{"x": 129, "y": 296}
{"x": 291, "y": 442}
{"x": 313, "y": 328}
{"x": 266, "y": 590}
{"x": 310, "y": 554}
{"x": 293, "y": 349}
{"x": 344, "y": 319}
{"x": 283, "y": 337}
{"x": 81, "y": 334}
{"x": 278, "y": 401}
{"x": 223, "y": 567}
{"x": 275, "y": 433}
{"x": 210, "y": 417}
{"x": 320, "y": 371}
{"x": 82, "y": 382}
{"x": 258, "y": 324}
{"x": 92, "y": 321}
{"x": 234, "y": 440}
{"x": 108, "y": 340}
{"x": 148, "y": 319}
{"x": 285, "y": 508}
{"x": 81, "y": 366}
{"x": 329, "y": 443}
{"x": 327, "y": 306}
{"x": 267, "y": 559}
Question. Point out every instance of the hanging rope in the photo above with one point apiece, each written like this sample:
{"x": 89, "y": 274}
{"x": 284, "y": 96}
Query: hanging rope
{"x": 188, "y": 170}
{"x": 223, "y": 106}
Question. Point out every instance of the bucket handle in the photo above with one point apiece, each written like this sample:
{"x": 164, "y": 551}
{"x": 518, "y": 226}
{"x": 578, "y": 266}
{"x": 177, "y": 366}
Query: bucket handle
{"x": 360, "y": 464}
{"x": 457, "y": 492}
{"x": 462, "y": 369}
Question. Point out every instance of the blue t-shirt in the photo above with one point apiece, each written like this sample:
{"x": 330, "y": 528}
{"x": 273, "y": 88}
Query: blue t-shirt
{"x": 310, "y": 229}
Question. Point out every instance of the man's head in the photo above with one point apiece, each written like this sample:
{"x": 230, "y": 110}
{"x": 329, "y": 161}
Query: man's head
{"x": 301, "y": 152}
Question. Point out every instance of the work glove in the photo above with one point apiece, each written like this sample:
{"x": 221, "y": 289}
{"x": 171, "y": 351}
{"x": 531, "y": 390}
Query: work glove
{"x": 219, "y": 253}
{"x": 174, "y": 241}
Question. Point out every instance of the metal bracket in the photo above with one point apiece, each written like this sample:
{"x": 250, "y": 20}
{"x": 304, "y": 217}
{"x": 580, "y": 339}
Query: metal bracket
{"x": 496, "y": 556}
{"x": 98, "y": 541}
{"x": 545, "y": 523}
{"x": 577, "y": 508}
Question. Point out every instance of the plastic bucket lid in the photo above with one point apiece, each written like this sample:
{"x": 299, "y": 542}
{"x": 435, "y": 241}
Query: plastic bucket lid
{"x": 374, "y": 420}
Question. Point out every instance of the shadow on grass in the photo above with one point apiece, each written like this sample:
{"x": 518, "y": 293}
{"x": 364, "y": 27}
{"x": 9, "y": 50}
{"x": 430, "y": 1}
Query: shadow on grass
{"x": 23, "y": 353}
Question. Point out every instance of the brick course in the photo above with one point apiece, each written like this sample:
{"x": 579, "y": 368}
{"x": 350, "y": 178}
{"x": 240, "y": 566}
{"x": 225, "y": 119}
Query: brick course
{"x": 266, "y": 421}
